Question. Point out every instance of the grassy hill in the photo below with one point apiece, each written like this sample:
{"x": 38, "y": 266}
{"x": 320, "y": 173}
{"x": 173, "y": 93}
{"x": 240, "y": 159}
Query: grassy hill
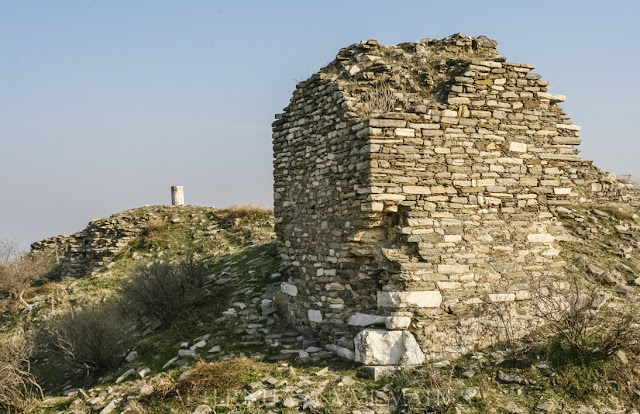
{"x": 183, "y": 318}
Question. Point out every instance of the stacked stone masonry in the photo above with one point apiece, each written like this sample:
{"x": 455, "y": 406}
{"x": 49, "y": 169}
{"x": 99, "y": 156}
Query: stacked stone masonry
{"x": 415, "y": 195}
{"x": 104, "y": 239}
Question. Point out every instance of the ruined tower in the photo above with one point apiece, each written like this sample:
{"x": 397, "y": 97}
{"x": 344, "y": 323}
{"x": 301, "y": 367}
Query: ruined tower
{"x": 416, "y": 189}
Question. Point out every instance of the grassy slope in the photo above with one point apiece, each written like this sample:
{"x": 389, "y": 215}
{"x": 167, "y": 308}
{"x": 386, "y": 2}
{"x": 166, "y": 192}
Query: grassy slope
{"x": 239, "y": 248}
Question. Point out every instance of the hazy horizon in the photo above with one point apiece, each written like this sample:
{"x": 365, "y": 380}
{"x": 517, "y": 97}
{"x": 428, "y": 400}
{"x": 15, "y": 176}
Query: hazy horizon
{"x": 106, "y": 105}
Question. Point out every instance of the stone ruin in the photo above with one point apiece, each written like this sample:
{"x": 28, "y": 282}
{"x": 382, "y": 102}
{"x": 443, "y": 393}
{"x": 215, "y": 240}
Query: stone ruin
{"x": 416, "y": 191}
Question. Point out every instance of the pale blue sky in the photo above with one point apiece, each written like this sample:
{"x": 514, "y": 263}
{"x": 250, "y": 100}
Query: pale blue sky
{"x": 106, "y": 104}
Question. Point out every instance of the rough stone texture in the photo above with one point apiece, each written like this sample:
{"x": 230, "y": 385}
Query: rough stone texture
{"x": 422, "y": 180}
{"x": 381, "y": 347}
{"x": 104, "y": 239}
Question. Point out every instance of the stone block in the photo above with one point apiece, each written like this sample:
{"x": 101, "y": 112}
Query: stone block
{"x": 387, "y": 123}
{"x": 449, "y": 269}
{"x": 381, "y": 347}
{"x": 502, "y": 297}
{"x": 540, "y": 238}
{"x": 365, "y": 319}
{"x": 420, "y": 299}
{"x": 314, "y": 315}
{"x": 289, "y": 289}
{"x": 397, "y": 322}
{"x": 412, "y": 189}
{"x": 518, "y": 147}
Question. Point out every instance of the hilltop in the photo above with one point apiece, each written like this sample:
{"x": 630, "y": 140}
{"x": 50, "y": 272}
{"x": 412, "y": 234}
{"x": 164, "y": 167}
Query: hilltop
{"x": 230, "y": 351}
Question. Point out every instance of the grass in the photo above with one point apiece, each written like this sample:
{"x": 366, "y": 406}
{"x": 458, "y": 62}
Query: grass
{"x": 236, "y": 240}
{"x": 238, "y": 244}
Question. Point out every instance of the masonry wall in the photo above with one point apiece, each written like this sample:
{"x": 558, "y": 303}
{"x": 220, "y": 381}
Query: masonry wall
{"x": 85, "y": 252}
{"x": 428, "y": 227}
{"x": 321, "y": 165}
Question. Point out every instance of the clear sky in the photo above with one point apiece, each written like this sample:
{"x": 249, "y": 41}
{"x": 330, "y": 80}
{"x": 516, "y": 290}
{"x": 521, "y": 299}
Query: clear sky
{"x": 106, "y": 104}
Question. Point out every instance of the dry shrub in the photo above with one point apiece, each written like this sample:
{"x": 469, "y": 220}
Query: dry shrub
{"x": 380, "y": 99}
{"x": 579, "y": 318}
{"x": 167, "y": 290}
{"x": 18, "y": 387}
{"x": 434, "y": 390}
{"x": 95, "y": 338}
{"x": 225, "y": 375}
{"x": 18, "y": 270}
{"x": 246, "y": 211}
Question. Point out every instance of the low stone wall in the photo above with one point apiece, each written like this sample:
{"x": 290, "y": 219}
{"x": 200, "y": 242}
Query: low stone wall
{"x": 81, "y": 253}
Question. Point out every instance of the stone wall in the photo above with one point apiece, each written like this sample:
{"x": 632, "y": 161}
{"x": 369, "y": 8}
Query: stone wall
{"x": 415, "y": 195}
{"x": 104, "y": 239}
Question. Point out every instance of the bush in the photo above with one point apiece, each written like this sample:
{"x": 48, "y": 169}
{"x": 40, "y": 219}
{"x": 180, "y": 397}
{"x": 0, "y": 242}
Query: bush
{"x": 95, "y": 338}
{"x": 18, "y": 388}
{"x": 18, "y": 270}
{"x": 167, "y": 290}
{"x": 578, "y": 318}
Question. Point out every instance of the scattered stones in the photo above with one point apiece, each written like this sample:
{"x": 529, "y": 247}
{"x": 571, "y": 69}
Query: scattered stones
{"x": 545, "y": 406}
{"x": 200, "y": 344}
{"x": 290, "y": 402}
{"x": 347, "y": 381}
{"x": 253, "y": 396}
{"x": 189, "y": 353}
{"x": 469, "y": 373}
{"x": 125, "y": 375}
{"x": 622, "y": 357}
{"x": 509, "y": 378}
{"x": 469, "y": 393}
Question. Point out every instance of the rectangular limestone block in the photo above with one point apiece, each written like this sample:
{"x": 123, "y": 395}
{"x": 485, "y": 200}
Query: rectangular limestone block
{"x": 551, "y": 96}
{"x": 569, "y": 127}
{"x": 448, "y": 269}
{"x": 421, "y": 299}
{"x": 518, "y": 147}
{"x": 412, "y": 189}
{"x": 405, "y": 132}
{"x": 561, "y": 191}
{"x": 566, "y": 140}
{"x": 540, "y": 238}
{"x": 381, "y": 347}
{"x": 502, "y": 297}
{"x": 388, "y": 123}
{"x": 459, "y": 100}
{"x": 561, "y": 157}
{"x": 365, "y": 319}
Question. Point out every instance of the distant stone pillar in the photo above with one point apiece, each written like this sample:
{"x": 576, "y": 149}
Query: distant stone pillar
{"x": 177, "y": 195}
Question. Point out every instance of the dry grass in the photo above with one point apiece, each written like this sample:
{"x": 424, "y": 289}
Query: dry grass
{"x": 248, "y": 210}
{"x": 153, "y": 231}
{"x": 18, "y": 387}
{"x": 378, "y": 100}
{"x": 223, "y": 377}
{"x": 19, "y": 271}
